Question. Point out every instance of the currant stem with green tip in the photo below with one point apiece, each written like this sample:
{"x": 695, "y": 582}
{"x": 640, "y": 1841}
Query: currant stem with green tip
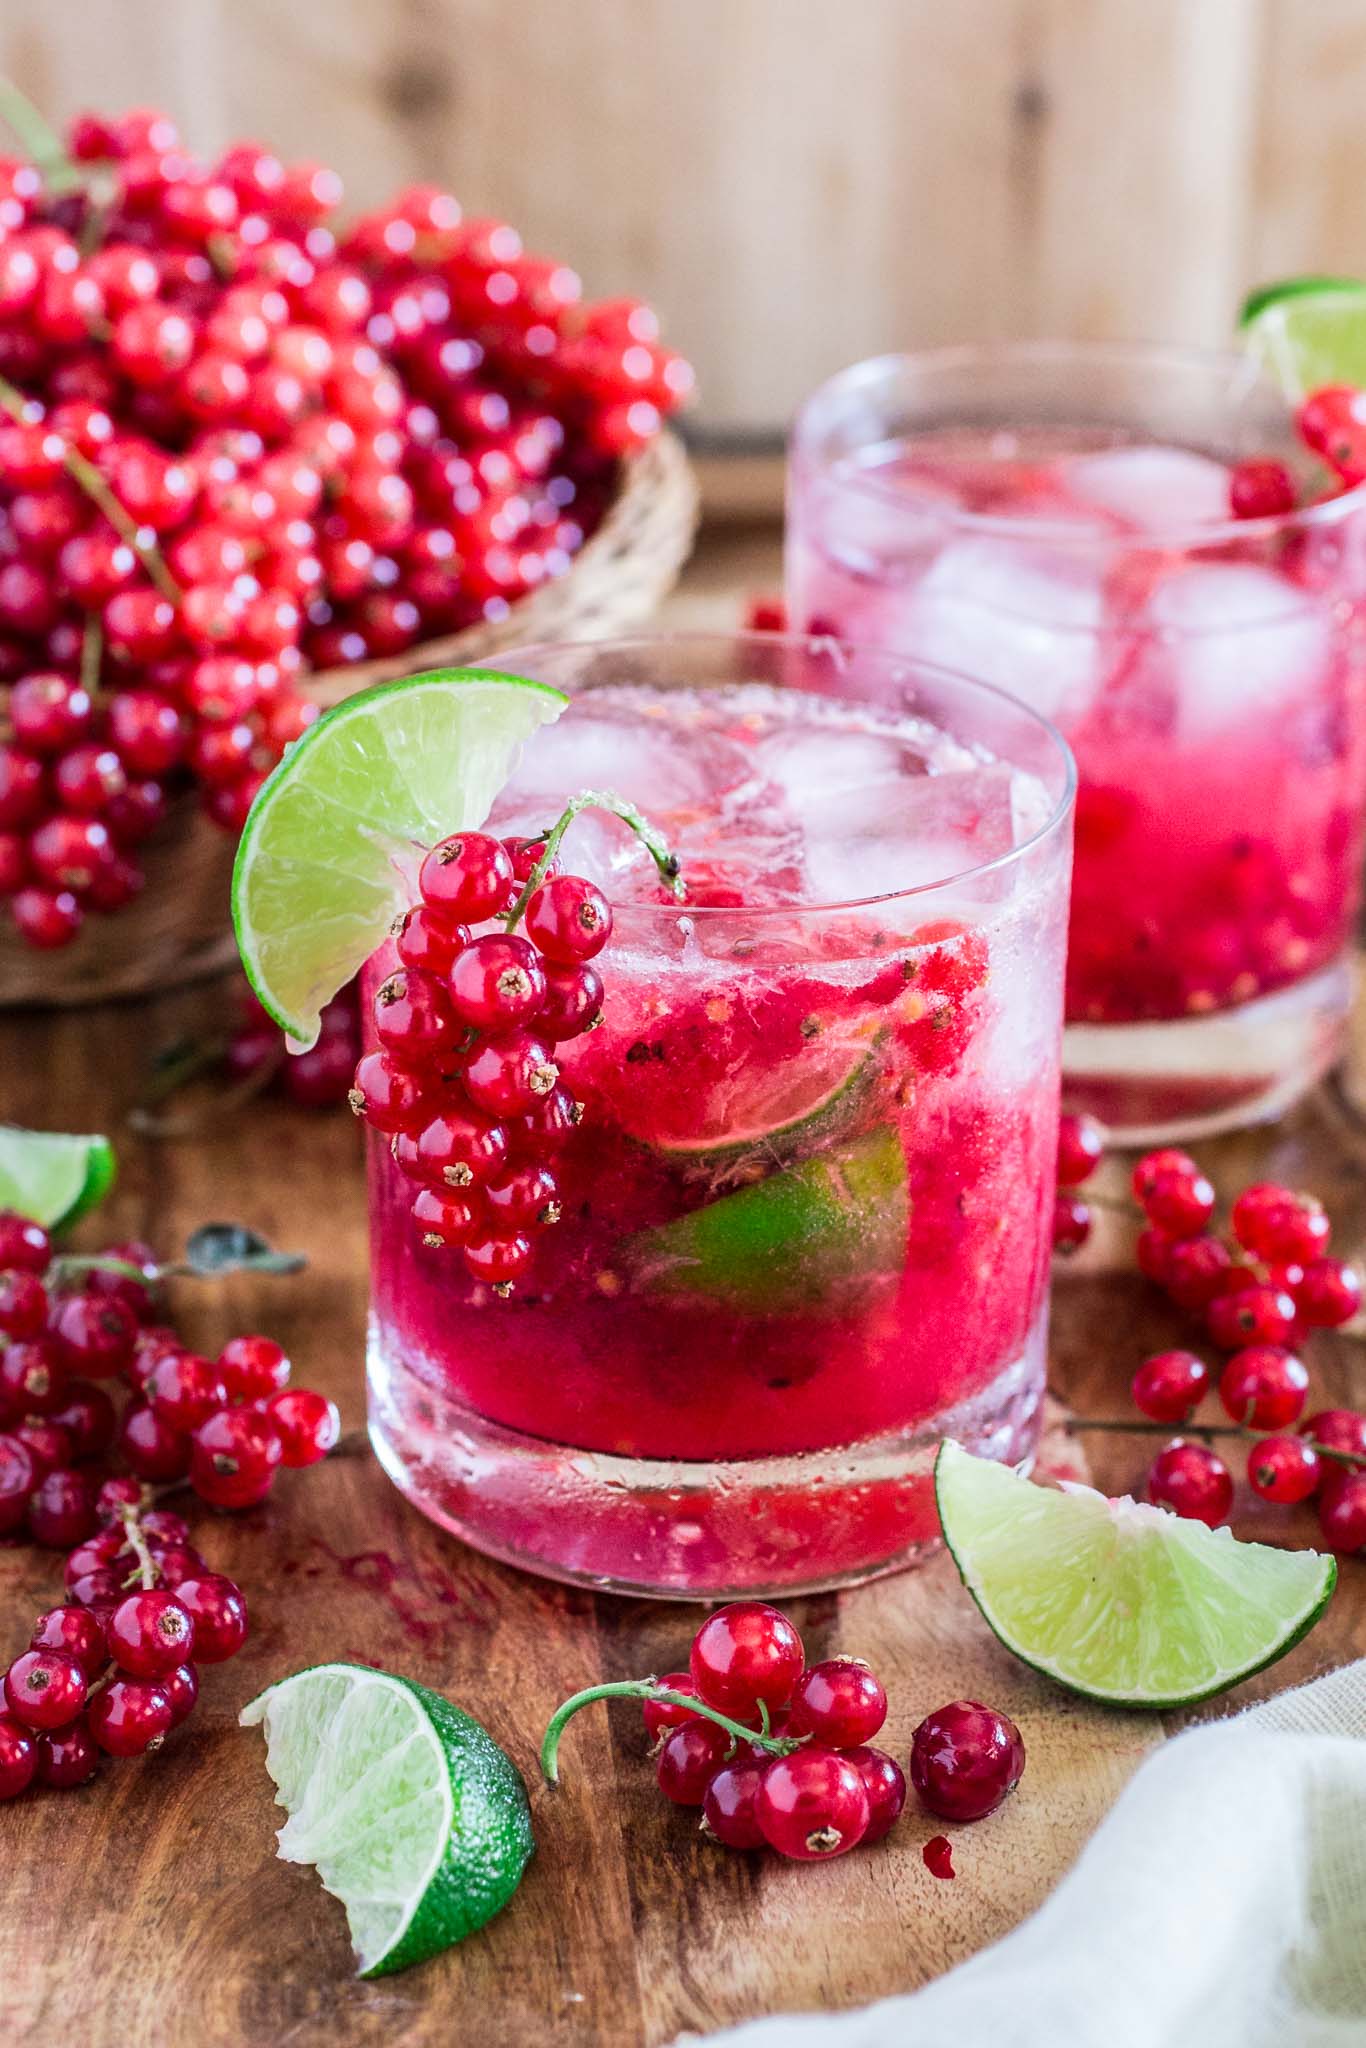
{"x": 650, "y": 1689}
{"x": 1079, "y": 1425}
{"x": 599, "y": 800}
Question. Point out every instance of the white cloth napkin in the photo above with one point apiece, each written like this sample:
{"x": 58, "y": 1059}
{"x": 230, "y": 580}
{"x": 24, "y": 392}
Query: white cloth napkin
{"x": 1221, "y": 1904}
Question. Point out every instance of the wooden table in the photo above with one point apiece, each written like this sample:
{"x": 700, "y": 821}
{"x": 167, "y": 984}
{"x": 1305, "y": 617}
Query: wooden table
{"x": 149, "y": 1908}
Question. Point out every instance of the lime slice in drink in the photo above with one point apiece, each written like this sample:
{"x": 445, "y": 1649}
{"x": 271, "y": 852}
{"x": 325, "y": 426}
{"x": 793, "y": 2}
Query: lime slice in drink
{"x": 1119, "y": 1601}
{"x": 791, "y": 1242}
{"x": 410, "y": 1812}
{"x": 773, "y": 1113}
{"x": 1308, "y": 331}
{"x": 334, "y": 840}
{"x": 53, "y": 1178}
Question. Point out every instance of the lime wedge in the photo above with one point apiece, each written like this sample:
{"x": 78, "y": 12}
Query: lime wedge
{"x": 410, "y": 1812}
{"x": 1116, "y": 1600}
{"x": 791, "y": 1242}
{"x": 53, "y": 1178}
{"x": 1308, "y": 331}
{"x": 777, "y": 1112}
{"x": 335, "y": 837}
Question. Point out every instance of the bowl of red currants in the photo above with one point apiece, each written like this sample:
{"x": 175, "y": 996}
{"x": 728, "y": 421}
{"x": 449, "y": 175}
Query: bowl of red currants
{"x": 255, "y": 456}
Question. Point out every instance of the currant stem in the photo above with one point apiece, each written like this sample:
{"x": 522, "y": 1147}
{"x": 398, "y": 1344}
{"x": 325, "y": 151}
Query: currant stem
{"x": 92, "y": 653}
{"x": 650, "y": 1689}
{"x": 649, "y": 836}
{"x": 148, "y": 1575}
{"x": 40, "y": 139}
{"x": 84, "y": 473}
{"x": 1076, "y": 1425}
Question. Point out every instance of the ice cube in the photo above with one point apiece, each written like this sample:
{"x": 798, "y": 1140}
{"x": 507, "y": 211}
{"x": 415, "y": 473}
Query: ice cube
{"x": 922, "y": 829}
{"x": 626, "y": 743}
{"x": 826, "y": 773}
{"x": 1237, "y": 643}
{"x": 1021, "y": 615}
{"x": 1153, "y": 489}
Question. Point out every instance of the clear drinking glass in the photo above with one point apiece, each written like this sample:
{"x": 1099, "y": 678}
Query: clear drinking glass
{"x": 806, "y": 1213}
{"x": 1056, "y": 520}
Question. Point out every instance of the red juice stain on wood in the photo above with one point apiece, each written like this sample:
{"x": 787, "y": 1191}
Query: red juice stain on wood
{"x": 937, "y": 1856}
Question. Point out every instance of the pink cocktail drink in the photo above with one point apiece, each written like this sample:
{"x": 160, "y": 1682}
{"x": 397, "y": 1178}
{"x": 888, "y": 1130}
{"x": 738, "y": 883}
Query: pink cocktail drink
{"x": 1058, "y": 521}
{"x": 804, "y": 1221}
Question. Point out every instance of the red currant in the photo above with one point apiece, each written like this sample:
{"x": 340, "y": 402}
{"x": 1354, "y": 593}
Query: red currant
{"x": 184, "y": 1391}
{"x": 18, "y": 1749}
{"x": 497, "y": 981}
{"x": 467, "y": 877}
{"x": 1179, "y": 1202}
{"x": 689, "y": 1758}
{"x": 569, "y": 919}
{"x": 812, "y": 1804}
{"x": 308, "y": 1425}
{"x": 1071, "y": 1222}
{"x": 24, "y": 1245}
{"x": 509, "y": 1072}
{"x": 1327, "y": 1293}
{"x": 219, "y": 1613}
{"x": 252, "y": 1368}
{"x": 62, "y": 1510}
{"x": 235, "y": 1457}
{"x": 1253, "y": 1316}
{"x": 885, "y": 1783}
{"x": 1342, "y": 1512}
{"x": 965, "y": 1759}
{"x": 661, "y": 1714}
{"x": 1264, "y": 1387}
{"x": 1081, "y": 1147}
{"x": 1260, "y": 489}
{"x": 45, "y": 1688}
{"x": 840, "y": 1702}
{"x": 1284, "y": 1469}
{"x": 150, "y": 1633}
{"x": 743, "y": 1654}
{"x": 1169, "y": 1386}
{"x": 730, "y": 1806}
{"x": 1191, "y": 1481}
{"x": 76, "y": 1633}
{"x": 130, "y": 1716}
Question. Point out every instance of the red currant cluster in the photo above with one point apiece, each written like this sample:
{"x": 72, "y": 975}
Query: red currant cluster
{"x": 1332, "y": 423}
{"x": 1081, "y": 1147}
{"x": 114, "y": 1667}
{"x": 241, "y": 442}
{"x": 465, "y": 1082}
{"x": 804, "y": 1780}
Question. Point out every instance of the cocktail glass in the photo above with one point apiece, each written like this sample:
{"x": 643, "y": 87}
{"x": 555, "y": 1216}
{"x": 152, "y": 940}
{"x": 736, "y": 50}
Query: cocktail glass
{"x": 806, "y": 1214}
{"x": 1055, "y": 519}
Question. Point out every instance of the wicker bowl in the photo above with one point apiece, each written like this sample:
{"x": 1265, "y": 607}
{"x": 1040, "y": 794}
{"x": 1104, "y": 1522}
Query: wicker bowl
{"x": 178, "y": 930}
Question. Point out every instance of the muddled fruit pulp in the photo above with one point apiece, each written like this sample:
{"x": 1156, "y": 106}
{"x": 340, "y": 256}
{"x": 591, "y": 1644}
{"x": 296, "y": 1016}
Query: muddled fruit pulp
{"x": 1211, "y": 691}
{"x": 804, "y": 1208}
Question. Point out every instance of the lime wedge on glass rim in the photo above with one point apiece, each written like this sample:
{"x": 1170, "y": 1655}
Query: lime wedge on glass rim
{"x": 333, "y": 842}
{"x": 52, "y": 1177}
{"x": 1114, "y": 1599}
{"x": 1307, "y": 332}
{"x": 410, "y": 1812}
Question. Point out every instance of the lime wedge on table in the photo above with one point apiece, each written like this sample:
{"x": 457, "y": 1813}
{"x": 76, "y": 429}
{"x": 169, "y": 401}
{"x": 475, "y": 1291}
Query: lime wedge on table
{"x": 791, "y": 1242}
{"x": 412, "y": 1815}
{"x": 51, "y": 1177}
{"x": 1308, "y": 331}
{"x": 334, "y": 839}
{"x": 1117, "y": 1600}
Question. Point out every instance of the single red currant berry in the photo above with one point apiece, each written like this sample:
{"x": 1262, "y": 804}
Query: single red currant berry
{"x": 497, "y": 1258}
{"x": 62, "y": 1510}
{"x": 1332, "y": 421}
{"x": 840, "y": 1702}
{"x": 1154, "y": 1252}
{"x": 885, "y": 1783}
{"x": 1264, "y": 1387}
{"x": 177, "y": 1561}
{"x": 308, "y": 1425}
{"x": 662, "y": 1714}
{"x": 45, "y": 1688}
{"x": 444, "y": 1219}
{"x": 1169, "y": 1386}
{"x": 1342, "y": 1512}
{"x": 130, "y": 1716}
{"x": 77, "y": 1633}
{"x": 1260, "y": 488}
{"x": 18, "y": 1757}
{"x": 99, "y": 1590}
{"x": 460, "y": 1149}
{"x": 252, "y": 1368}
{"x": 1191, "y": 1481}
{"x": 569, "y": 919}
{"x": 467, "y": 877}
{"x": 1179, "y": 1202}
{"x": 414, "y": 1020}
{"x": 497, "y": 981}
{"x": 90, "y": 1420}
{"x": 24, "y": 1245}
{"x": 1195, "y": 1270}
{"x": 235, "y": 1457}
{"x": 23, "y": 1306}
{"x": 67, "y": 1757}
{"x": 545, "y": 1127}
{"x": 1071, "y": 1222}
{"x": 730, "y": 1806}
{"x": 1081, "y": 1147}
{"x": 219, "y": 1613}
{"x": 32, "y": 1380}
{"x": 1166, "y": 1160}
{"x": 95, "y": 1335}
{"x": 387, "y": 1097}
{"x": 965, "y": 1759}
{"x": 1328, "y": 1293}
{"x": 1255, "y": 1315}
{"x": 1253, "y": 1206}
{"x": 572, "y": 1003}
{"x": 160, "y": 1525}
{"x": 1336, "y": 1429}
{"x": 114, "y": 1496}
{"x": 523, "y": 1197}
{"x": 1284, "y": 1469}
{"x": 18, "y": 1477}
{"x": 509, "y": 1072}
{"x": 181, "y": 1688}
{"x": 425, "y": 939}
{"x": 743, "y": 1654}
{"x": 150, "y": 1447}
{"x": 150, "y": 1633}
{"x": 689, "y": 1758}
{"x": 184, "y": 1391}
{"x": 812, "y": 1804}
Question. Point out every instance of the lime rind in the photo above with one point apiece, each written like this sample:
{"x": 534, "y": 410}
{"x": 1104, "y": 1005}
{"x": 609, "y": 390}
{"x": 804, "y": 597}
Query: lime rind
{"x": 803, "y": 1107}
{"x": 1307, "y": 332}
{"x": 53, "y": 1177}
{"x": 332, "y": 845}
{"x": 411, "y": 1814}
{"x": 1116, "y": 1600}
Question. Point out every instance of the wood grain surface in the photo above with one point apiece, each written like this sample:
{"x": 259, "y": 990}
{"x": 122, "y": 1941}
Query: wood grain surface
{"x": 148, "y": 1907}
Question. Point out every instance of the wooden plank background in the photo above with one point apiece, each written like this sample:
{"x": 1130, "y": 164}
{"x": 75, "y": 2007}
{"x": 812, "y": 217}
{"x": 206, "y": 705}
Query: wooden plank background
{"x": 792, "y": 193}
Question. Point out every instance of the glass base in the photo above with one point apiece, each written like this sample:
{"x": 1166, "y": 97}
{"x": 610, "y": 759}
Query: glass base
{"x": 682, "y": 1530}
{"x": 1159, "y": 1084}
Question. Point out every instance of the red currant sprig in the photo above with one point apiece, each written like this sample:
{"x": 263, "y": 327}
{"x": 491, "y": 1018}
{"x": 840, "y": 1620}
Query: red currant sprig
{"x": 465, "y": 1083}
